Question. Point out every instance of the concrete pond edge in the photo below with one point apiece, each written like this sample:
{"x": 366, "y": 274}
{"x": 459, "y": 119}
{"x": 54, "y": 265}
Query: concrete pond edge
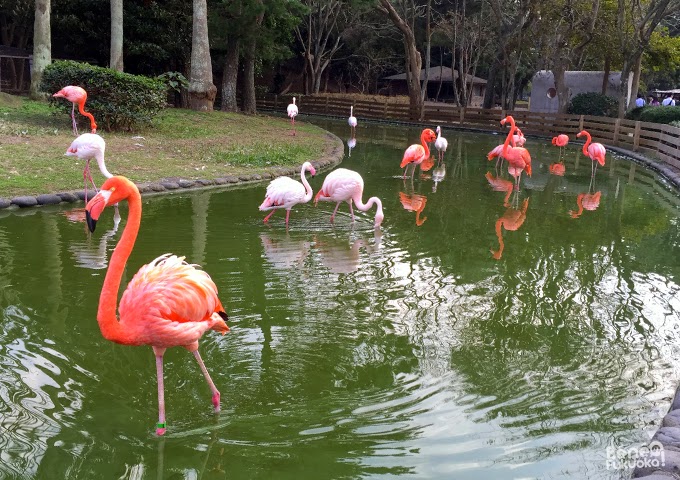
{"x": 332, "y": 155}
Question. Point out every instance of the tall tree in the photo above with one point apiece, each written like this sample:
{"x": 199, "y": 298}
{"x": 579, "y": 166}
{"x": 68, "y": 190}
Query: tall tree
{"x": 414, "y": 61}
{"x": 42, "y": 44}
{"x": 636, "y": 21}
{"x": 249, "y": 105}
{"x": 202, "y": 91}
{"x": 116, "y": 35}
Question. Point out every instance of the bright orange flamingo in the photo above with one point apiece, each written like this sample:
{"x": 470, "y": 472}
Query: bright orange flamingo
{"x": 77, "y": 95}
{"x": 168, "y": 303}
{"x": 497, "y": 152}
{"x": 501, "y": 185}
{"x": 343, "y": 185}
{"x": 518, "y": 158}
{"x": 292, "y": 111}
{"x": 414, "y": 203}
{"x": 588, "y": 201}
{"x": 512, "y": 219}
{"x": 560, "y": 141}
{"x": 595, "y": 151}
{"x": 418, "y": 153}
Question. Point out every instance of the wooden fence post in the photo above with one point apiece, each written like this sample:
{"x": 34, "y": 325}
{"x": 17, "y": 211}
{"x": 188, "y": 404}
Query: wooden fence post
{"x": 636, "y": 137}
{"x": 385, "y": 109}
{"x": 580, "y": 123}
{"x": 276, "y": 101}
{"x": 326, "y": 103}
{"x": 617, "y": 125}
{"x": 461, "y": 115}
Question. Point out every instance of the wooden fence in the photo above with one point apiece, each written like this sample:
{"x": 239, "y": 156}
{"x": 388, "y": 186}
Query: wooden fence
{"x": 652, "y": 139}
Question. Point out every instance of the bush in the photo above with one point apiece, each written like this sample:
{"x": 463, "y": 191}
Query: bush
{"x": 660, "y": 115}
{"x": 592, "y": 103}
{"x": 676, "y": 123}
{"x": 634, "y": 113}
{"x": 118, "y": 101}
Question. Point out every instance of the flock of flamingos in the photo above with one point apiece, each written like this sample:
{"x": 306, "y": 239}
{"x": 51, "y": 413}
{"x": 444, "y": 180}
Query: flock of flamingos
{"x": 170, "y": 303}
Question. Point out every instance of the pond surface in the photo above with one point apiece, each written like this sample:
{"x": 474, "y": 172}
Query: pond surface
{"x": 425, "y": 350}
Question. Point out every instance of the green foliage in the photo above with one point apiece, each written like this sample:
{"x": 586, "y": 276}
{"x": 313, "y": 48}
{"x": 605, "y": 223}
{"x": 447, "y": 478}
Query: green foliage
{"x": 593, "y": 103}
{"x": 675, "y": 123}
{"x": 174, "y": 81}
{"x": 634, "y": 113}
{"x": 118, "y": 101}
{"x": 660, "y": 114}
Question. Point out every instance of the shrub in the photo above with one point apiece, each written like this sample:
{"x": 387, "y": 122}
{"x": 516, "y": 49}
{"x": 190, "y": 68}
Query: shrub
{"x": 660, "y": 114}
{"x": 634, "y": 113}
{"x": 676, "y": 123}
{"x": 592, "y": 103}
{"x": 118, "y": 101}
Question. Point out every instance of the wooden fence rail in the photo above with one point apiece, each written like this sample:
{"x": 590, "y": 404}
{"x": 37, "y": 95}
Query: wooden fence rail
{"x": 652, "y": 139}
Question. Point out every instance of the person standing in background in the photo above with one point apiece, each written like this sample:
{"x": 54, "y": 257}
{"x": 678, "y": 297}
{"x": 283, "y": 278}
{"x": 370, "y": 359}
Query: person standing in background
{"x": 668, "y": 101}
{"x": 640, "y": 102}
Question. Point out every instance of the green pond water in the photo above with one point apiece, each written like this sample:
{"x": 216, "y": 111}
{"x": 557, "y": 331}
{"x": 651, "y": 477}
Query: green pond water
{"x": 409, "y": 352}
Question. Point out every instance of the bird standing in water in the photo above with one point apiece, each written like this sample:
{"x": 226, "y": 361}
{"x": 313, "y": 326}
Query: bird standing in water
{"x": 343, "y": 185}
{"x": 284, "y": 192}
{"x": 594, "y": 151}
{"x": 440, "y": 143}
{"x": 168, "y": 303}
{"x": 77, "y": 95}
{"x": 352, "y": 120}
{"x": 418, "y": 153}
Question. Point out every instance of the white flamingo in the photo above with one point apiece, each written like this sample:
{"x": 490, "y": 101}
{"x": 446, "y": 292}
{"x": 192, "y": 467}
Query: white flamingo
{"x": 292, "y": 113}
{"x": 284, "y": 192}
{"x": 86, "y": 147}
{"x": 440, "y": 144}
{"x": 352, "y": 120}
{"x": 343, "y": 185}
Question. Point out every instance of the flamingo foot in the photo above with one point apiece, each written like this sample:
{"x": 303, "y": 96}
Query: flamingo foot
{"x": 216, "y": 401}
{"x": 160, "y": 430}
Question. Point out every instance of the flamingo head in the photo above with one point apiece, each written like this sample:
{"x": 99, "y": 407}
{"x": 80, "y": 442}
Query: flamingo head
{"x": 554, "y": 141}
{"x": 581, "y": 133}
{"x": 439, "y": 129}
{"x": 310, "y": 168}
{"x": 428, "y": 135}
{"x": 113, "y": 191}
{"x": 379, "y": 217}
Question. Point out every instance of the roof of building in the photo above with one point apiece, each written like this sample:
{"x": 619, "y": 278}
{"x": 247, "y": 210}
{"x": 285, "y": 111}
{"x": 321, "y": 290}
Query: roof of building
{"x": 436, "y": 74}
{"x": 14, "y": 52}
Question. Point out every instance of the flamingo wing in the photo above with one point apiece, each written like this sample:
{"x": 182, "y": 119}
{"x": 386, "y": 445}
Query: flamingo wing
{"x": 169, "y": 303}
{"x": 413, "y": 154}
{"x": 87, "y": 145}
{"x": 441, "y": 144}
{"x": 341, "y": 185}
{"x": 496, "y": 152}
{"x": 596, "y": 151}
{"x": 283, "y": 192}
{"x": 292, "y": 110}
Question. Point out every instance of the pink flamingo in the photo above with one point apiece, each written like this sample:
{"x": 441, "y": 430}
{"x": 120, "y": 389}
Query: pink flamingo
{"x": 343, "y": 185}
{"x": 518, "y": 158}
{"x": 560, "y": 141}
{"x": 86, "y": 147}
{"x": 497, "y": 152}
{"x": 284, "y": 192}
{"x": 519, "y": 138}
{"x": 168, "y": 303}
{"x": 417, "y": 153}
{"x": 352, "y": 120}
{"x": 77, "y": 95}
{"x": 595, "y": 151}
{"x": 292, "y": 111}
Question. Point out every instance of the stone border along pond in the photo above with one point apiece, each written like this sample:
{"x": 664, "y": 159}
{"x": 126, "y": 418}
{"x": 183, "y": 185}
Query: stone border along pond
{"x": 331, "y": 156}
{"x": 660, "y": 464}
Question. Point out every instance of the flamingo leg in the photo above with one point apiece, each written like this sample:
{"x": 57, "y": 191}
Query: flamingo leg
{"x": 213, "y": 388}
{"x": 287, "y": 216}
{"x": 335, "y": 211}
{"x": 160, "y": 426}
{"x": 351, "y": 211}
{"x": 73, "y": 119}
{"x": 266, "y": 219}
{"x": 86, "y": 172}
{"x": 292, "y": 121}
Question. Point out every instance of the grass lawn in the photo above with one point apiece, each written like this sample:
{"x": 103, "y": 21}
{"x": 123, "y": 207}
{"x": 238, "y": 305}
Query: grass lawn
{"x": 179, "y": 144}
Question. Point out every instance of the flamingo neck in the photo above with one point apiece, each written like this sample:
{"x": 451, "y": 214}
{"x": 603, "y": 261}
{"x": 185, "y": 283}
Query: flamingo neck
{"x": 424, "y": 144}
{"x": 509, "y": 138}
{"x": 93, "y": 124}
{"x": 351, "y": 111}
{"x": 367, "y": 206}
{"x": 102, "y": 166}
{"x": 308, "y": 188}
{"x": 106, "y": 315}
{"x": 587, "y": 144}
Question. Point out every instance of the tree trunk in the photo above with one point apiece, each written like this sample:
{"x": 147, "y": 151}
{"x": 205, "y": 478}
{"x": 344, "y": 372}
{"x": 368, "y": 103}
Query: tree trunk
{"x": 428, "y": 45}
{"x": 561, "y": 87}
{"x": 42, "y": 45}
{"x": 116, "y": 61}
{"x": 635, "y": 84}
{"x": 202, "y": 91}
{"x": 490, "y": 91}
{"x": 230, "y": 76}
{"x": 249, "y": 100}
{"x": 605, "y": 78}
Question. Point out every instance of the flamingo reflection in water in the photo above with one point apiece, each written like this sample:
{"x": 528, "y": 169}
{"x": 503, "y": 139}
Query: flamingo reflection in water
{"x": 586, "y": 201}
{"x": 438, "y": 174}
{"x": 501, "y": 185}
{"x": 511, "y": 220}
{"x": 282, "y": 251}
{"x": 87, "y": 254}
{"x": 341, "y": 255}
{"x": 414, "y": 203}
{"x": 557, "y": 169}
{"x": 351, "y": 143}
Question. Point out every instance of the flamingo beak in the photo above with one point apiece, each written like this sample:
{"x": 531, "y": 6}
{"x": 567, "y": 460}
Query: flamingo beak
{"x": 95, "y": 207}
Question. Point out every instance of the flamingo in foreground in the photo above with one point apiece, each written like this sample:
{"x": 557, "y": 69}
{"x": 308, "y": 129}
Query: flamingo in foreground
{"x": 86, "y": 147}
{"x": 352, "y": 120}
{"x": 168, "y": 303}
{"x": 417, "y": 153}
{"x": 441, "y": 143}
{"x": 77, "y": 95}
{"x": 517, "y": 140}
{"x": 518, "y": 158}
{"x": 595, "y": 151}
{"x": 343, "y": 185}
{"x": 284, "y": 192}
{"x": 292, "y": 111}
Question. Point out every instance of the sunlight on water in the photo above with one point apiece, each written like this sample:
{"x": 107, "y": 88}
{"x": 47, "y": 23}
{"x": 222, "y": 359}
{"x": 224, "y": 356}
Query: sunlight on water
{"x": 483, "y": 332}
